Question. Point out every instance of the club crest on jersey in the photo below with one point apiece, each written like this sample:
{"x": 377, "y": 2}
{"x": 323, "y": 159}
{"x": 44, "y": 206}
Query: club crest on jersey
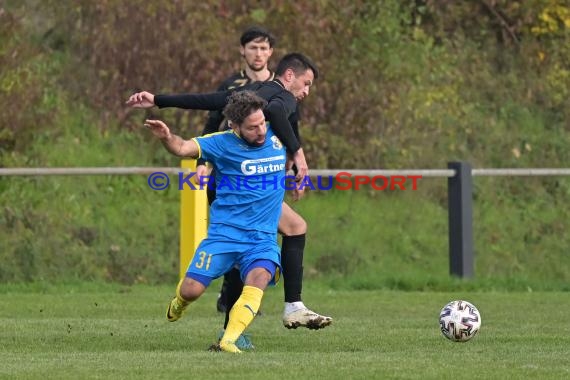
{"x": 276, "y": 142}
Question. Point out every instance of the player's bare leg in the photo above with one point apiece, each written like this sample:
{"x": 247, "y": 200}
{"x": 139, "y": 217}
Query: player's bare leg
{"x": 187, "y": 291}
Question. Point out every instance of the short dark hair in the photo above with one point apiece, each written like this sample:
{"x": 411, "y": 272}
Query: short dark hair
{"x": 297, "y": 62}
{"x": 241, "y": 104}
{"x": 254, "y": 33}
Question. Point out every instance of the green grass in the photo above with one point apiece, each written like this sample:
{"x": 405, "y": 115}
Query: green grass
{"x": 92, "y": 331}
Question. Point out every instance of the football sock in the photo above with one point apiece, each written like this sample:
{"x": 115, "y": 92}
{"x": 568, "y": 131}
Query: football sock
{"x": 223, "y": 295}
{"x": 179, "y": 297}
{"x": 243, "y": 313}
{"x": 292, "y": 248}
{"x": 234, "y": 287}
{"x": 294, "y": 306}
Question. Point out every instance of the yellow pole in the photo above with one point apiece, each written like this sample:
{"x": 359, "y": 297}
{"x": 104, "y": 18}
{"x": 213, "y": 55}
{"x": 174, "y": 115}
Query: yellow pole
{"x": 193, "y": 217}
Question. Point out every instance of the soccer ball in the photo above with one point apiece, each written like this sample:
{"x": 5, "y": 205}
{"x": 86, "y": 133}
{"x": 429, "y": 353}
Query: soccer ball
{"x": 459, "y": 321}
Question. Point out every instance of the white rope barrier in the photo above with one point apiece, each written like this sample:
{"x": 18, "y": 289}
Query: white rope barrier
{"x": 528, "y": 172}
{"x": 385, "y": 173}
{"x": 87, "y": 171}
{"x": 174, "y": 170}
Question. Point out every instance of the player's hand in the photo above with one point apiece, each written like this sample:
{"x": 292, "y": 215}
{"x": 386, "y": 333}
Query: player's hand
{"x": 289, "y": 163}
{"x": 142, "y": 99}
{"x": 301, "y": 164}
{"x": 158, "y": 128}
{"x": 202, "y": 171}
{"x": 298, "y": 192}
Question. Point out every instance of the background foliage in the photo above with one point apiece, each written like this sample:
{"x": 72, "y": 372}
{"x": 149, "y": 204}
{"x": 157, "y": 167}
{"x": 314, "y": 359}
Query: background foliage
{"x": 405, "y": 84}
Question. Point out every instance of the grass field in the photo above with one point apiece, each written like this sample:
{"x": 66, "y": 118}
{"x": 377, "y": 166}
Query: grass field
{"x": 92, "y": 331}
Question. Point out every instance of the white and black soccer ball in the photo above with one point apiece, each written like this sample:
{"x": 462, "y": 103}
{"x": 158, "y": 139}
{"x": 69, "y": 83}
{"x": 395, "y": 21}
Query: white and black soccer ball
{"x": 459, "y": 321}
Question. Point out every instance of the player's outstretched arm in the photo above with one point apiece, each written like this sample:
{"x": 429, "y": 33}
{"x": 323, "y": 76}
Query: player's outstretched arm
{"x": 173, "y": 143}
{"x": 211, "y": 101}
